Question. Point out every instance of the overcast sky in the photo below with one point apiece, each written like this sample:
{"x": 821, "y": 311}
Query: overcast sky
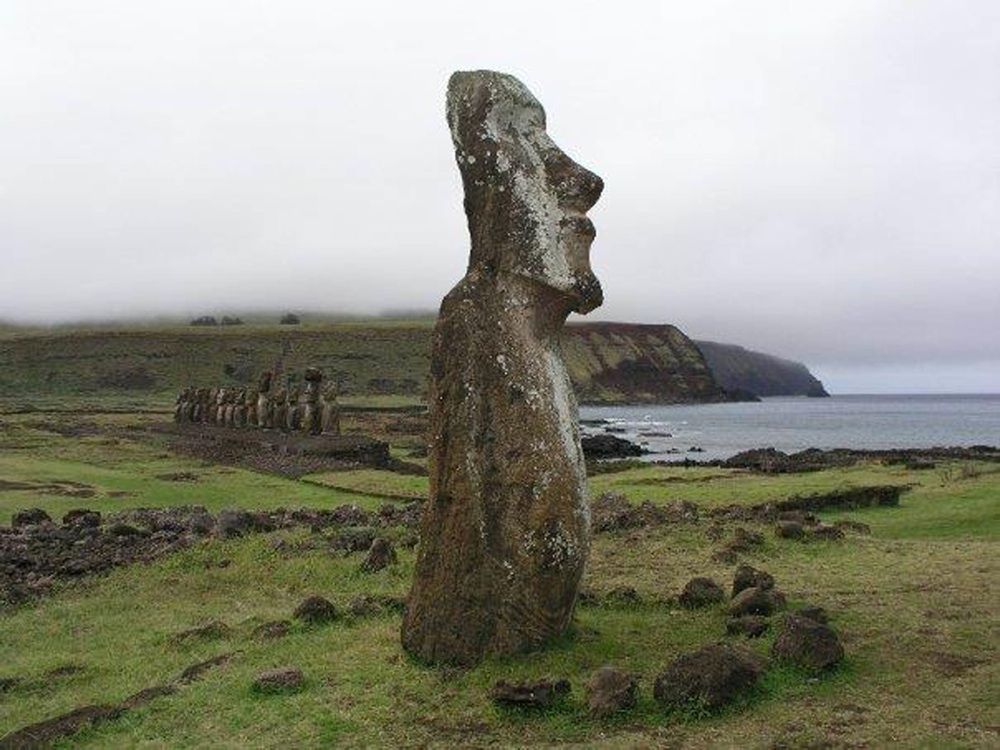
{"x": 819, "y": 180}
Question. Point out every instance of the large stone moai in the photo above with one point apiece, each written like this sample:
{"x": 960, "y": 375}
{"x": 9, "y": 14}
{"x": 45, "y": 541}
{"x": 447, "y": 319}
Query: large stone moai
{"x": 265, "y": 406}
{"x": 330, "y": 412}
{"x": 505, "y": 534}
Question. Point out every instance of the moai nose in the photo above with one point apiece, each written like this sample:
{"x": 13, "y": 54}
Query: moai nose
{"x": 577, "y": 187}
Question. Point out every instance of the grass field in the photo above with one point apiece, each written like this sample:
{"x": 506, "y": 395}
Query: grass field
{"x": 913, "y": 602}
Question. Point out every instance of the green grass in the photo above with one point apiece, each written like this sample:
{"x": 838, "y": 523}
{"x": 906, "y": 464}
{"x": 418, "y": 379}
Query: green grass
{"x": 913, "y": 603}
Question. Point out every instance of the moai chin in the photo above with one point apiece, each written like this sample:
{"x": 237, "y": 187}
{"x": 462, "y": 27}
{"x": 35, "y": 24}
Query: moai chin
{"x": 505, "y": 534}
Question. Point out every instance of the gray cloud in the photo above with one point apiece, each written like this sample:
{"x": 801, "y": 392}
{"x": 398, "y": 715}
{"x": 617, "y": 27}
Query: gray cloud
{"x": 821, "y": 180}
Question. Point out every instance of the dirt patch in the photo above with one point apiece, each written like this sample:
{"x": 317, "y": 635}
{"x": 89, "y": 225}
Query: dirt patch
{"x": 61, "y": 488}
{"x": 179, "y": 476}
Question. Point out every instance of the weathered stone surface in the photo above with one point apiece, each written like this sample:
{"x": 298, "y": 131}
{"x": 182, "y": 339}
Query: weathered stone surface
{"x": 280, "y": 680}
{"x": 711, "y": 676}
{"x": 813, "y": 612}
{"x": 756, "y": 601}
{"x": 808, "y": 643}
{"x": 316, "y": 610}
{"x": 747, "y": 577}
{"x": 381, "y": 555}
{"x": 541, "y": 694}
{"x": 611, "y": 690}
{"x": 701, "y": 592}
{"x": 505, "y": 533}
{"x": 752, "y": 626}
{"x": 29, "y": 517}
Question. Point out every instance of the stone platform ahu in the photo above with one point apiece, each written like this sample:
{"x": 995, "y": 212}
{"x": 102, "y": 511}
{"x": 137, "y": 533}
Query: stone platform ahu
{"x": 505, "y": 534}
{"x": 310, "y": 408}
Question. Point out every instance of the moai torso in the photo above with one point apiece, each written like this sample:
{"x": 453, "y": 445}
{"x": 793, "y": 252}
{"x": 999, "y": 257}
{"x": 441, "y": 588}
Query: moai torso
{"x": 329, "y": 411}
{"x": 505, "y": 533}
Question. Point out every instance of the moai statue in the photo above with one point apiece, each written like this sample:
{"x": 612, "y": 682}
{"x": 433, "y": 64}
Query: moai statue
{"x": 190, "y": 405}
{"x": 230, "y": 407}
{"x": 240, "y": 409}
{"x": 180, "y": 404}
{"x": 219, "y": 415}
{"x": 329, "y": 411}
{"x": 265, "y": 408}
{"x": 279, "y": 409}
{"x": 312, "y": 417}
{"x": 505, "y": 534}
{"x": 251, "y": 407}
{"x": 213, "y": 405}
{"x": 293, "y": 411}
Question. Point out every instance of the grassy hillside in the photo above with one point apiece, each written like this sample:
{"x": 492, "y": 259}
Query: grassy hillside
{"x": 736, "y": 368}
{"x": 387, "y": 359}
{"x": 910, "y": 601}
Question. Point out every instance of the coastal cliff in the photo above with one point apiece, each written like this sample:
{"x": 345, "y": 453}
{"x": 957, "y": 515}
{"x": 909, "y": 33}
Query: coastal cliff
{"x": 610, "y": 363}
{"x": 742, "y": 370}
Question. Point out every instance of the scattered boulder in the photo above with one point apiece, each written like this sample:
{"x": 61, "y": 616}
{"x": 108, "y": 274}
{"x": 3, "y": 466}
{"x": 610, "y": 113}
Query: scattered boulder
{"x": 712, "y": 676}
{"x": 353, "y": 539}
{"x": 604, "y": 446}
{"x": 756, "y": 601}
{"x": 280, "y": 680}
{"x": 268, "y": 631}
{"x": 747, "y": 577}
{"x": 813, "y": 612}
{"x": 701, "y": 592}
{"x": 541, "y": 694}
{"x": 381, "y": 555}
{"x": 365, "y": 605}
{"x": 29, "y": 517}
{"x": 610, "y": 691}
{"x": 789, "y": 530}
{"x": 826, "y": 531}
{"x": 752, "y": 626}
{"x": 807, "y": 643}
{"x": 316, "y": 610}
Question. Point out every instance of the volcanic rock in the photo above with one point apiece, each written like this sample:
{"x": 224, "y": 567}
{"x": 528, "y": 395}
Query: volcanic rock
{"x": 381, "y": 555}
{"x": 752, "y": 626}
{"x": 807, "y": 643}
{"x": 701, "y": 592}
{"x": 610, "y": 691}
{"x": 756, "y": 601}
{"x": 280, "y": 680}
{"x": 541, "y": 694}
{"x": 711, "y": 676}
{"x": 747, "y": 577}
{"x": 316, "y": 610}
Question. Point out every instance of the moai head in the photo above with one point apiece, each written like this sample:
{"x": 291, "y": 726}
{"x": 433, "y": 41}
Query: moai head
{"x": 525, "y": 199}
{"x": 221, "y": 396}
{"x": 241, "y": 396}
{"x": 314, "y": 382}
{"x": 264, "y": 382}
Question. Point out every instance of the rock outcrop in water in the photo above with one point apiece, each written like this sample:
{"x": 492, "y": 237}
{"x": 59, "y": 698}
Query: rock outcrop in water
{"x": 505, "y": 533}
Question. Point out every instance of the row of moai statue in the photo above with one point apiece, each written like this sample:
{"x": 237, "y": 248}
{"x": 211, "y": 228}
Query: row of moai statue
{"x": 310, "y": 408}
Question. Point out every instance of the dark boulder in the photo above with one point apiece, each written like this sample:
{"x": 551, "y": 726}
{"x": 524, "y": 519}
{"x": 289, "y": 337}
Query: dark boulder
{"x": 316, "y": 610}
{"x": 608, "y": 446}
{"x": 789, "y": 530}
{"x": 701, "y": 592}
{"x": 353, "y": 539}
{"x": 813, "y": 612}
{"x": 711, "y": 676}
{"x": 381, "y": 555}
{"x": 752, "y": 626}
{"x": 807, "y": 643}
{"x": 541, "y": 694}
{"x": 747, "y": 577}
{"x": 826, "y": 531}
{"x": 29, "y": 517}
{"x": 610, "y": 691}
{"x": 756, "y": 601}
{"x": 280, "y": 680}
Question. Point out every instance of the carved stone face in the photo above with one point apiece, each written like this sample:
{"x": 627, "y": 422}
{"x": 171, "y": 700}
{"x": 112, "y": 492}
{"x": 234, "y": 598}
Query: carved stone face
{"x": 525, "y": 199}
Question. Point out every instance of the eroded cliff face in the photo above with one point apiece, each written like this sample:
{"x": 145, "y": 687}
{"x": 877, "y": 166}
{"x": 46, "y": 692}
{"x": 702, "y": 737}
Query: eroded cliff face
{"x": 739, "y": 369}
{"x": 607, "y": 362}
{"x": 622, "y": 363}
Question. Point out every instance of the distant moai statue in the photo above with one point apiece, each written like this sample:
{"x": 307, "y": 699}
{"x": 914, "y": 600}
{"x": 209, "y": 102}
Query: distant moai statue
{"x": 279, "y": 408}
{"x": 240, "y": 409}
{"x": 312, "y": 416}
{"x": 250, "y": 403}
{"x": 265, "y": 407}
{"x": 505, "y": 533}
{"x": 293, "y": 413}
{"x": 213, "y": 405}
{"x": 329, "y": 411}
{"x": 180, "y": 404}
{"x": 229, "y": 408}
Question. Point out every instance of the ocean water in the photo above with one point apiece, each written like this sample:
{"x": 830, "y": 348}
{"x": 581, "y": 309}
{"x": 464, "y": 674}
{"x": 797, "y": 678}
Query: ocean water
{"x": 793, "y": 424}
